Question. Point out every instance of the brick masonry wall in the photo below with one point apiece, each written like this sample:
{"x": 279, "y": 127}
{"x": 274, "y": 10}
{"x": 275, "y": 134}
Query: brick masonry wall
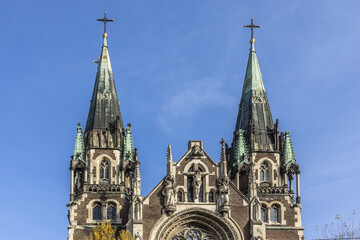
{"x": 239, "y": 212}
{"x": 152, "y": 212}
{"x": 282, "y": 235}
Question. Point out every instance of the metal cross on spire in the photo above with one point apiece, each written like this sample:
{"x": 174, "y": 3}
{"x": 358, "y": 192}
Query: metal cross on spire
{"x": 252, "y": 26}
{"x": 105, "y": 20}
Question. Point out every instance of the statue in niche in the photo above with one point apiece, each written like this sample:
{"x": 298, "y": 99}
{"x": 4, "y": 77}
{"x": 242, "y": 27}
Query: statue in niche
{"x": 78, "y": 180}
{"x": 196, "y": 184}
{"x": 255, "y": 211}
{"x": 137, "y": 210}
{"x": 169, "y": 191}
{"x": 223, "y": 192}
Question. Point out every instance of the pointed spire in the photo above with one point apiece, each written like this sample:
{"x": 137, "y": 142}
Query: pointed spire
{"x": 254, "y": 107}
{"x": 288, "y": 154}
{"x": 241, "y": 150}
{"x": 129, "y": 146}
{"x": 104, "y": 110}
{"x": 169, "y": 161}
{"x": 223, "y": 162}
{"x": 137, "y": 176}
{"x": 79, "y": 149}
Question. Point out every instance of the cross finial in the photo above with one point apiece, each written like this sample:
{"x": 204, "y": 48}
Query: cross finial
{"x": 252, "y": 26}
{"x": 105, "y": 20}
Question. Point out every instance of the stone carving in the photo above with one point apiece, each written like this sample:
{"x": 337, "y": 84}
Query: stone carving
{"x": 169, "y": 194}
{"x": 196, "y": 184}
{"x": 137, "y": 210}
{"x": 223, "y": 194}
{"x": 138, "y": 236}
{"x": 78, "y": 180}
{"x": 221, "y": 227}
{"x": 255, "y": 210}
{"x": 197, "y": 151}
{"x": 193, "y": 233}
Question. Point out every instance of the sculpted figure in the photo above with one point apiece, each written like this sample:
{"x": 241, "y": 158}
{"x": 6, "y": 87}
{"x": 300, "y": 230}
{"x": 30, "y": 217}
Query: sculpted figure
{"x": 78, "y": 179}
{"x": 223, "y": 190}
{"x": 197, "y": 183}
{"x": 168, "y": 191}
{"x": 137, "y": 210}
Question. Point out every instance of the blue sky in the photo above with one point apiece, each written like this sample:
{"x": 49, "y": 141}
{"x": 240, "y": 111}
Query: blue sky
{"x": 179, "y": 68}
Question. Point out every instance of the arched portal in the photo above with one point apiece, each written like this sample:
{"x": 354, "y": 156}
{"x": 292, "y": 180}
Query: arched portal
{"x": 197, "y": 224}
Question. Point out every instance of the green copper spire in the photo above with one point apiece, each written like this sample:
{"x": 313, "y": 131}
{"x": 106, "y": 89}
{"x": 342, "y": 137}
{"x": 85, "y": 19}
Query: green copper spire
{"x": 241, "y": 150}
{"x": 253, "y": 78}
{"x": 254, "y": 115}
{"x": 288, "y": 154}
{"x": 79, "y": 149}
{"x": 129, "y": 146}
{"x": 104, "y": 110}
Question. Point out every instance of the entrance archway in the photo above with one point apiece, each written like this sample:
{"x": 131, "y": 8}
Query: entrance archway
{"x": 197, "y": 224}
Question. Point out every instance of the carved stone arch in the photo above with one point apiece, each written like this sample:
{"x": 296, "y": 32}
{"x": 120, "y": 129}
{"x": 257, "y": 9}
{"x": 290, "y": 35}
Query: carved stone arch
{"x": 197, "y": 220}
{"x": 190, "y": 164}
{"x": 102, "y": 157}
{"x": 78, "y": 164}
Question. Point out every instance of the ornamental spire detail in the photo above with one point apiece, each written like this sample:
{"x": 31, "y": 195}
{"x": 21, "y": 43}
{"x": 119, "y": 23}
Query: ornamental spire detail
{"x": 129, "y": 146}
{"x": 288, "y": 153}
{"x": 79, "y": 148}
{"x": 241, "y": 149}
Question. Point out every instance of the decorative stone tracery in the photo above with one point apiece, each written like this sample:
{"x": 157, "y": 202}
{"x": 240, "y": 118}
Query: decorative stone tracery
{"x": 196, "y": 224}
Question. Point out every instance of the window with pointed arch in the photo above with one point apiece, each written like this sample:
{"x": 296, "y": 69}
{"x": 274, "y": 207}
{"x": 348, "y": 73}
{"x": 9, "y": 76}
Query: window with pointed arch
{"x": 211, "y": 196}
{"x": 190, "y": 190}
{"x": 96, "y": 211}
{"x": 111, "y": 212}
{"x": 104, "y": 170}
{"x": 275, "y": 213}
{"x": 179, "y": 196}
{"x": 201, "y": 191}
{"x": 264, "y": 172}
{"x": 263, "y": 213}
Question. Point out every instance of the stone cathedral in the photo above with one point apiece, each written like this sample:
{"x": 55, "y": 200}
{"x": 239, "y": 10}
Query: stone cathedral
{"x": 251, "y": 192}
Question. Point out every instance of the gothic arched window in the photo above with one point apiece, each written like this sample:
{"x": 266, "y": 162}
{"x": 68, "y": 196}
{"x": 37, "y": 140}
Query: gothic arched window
{"x": 179, "y": 196}
{"x": 97, "y": 211}
{"x": 111, "y": 212}
{"x": 211, "y": 196}
{"x": 275, "y": 213}
{"x": 190, "y": 193}
{"x": 264, "y": 172}
{"x": 104, "y": 170}
{"x": 263, "y": 213}
{"x": 201, "y": 191}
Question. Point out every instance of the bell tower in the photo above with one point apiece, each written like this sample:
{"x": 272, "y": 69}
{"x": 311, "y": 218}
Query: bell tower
{"x": 104, "y": 160}
{"x": 262, "y": 161}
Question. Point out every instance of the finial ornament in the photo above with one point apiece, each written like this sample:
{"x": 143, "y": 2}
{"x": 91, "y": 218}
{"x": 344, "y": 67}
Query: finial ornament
{"x": 105, "y": 20}
{"x": 252, "y": 26}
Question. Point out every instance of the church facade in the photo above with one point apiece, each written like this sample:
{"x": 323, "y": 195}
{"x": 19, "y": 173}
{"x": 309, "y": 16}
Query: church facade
{"x": 251, "y": 192}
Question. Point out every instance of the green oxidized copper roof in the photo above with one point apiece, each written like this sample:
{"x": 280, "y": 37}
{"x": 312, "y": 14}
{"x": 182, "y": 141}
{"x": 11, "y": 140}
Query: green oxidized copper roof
{"x": 104, "y": 106}
{"x": 253, "y": 78}
{"x": 288, "y": 154}
{"x": 254, "y": 107}
{"x": 129, "y": 146}
{"x": 79, "y": 149}
{"x": 241, "y": 150}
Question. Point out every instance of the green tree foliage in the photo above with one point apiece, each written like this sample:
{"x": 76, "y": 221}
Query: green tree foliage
{"x": 104, "y": 231}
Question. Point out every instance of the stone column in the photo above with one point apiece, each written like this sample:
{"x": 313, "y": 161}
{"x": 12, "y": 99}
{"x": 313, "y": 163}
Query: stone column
{"x": 291, "y": 183}
{"x": 286, "y": 179}
{"x": 72, "y": 184}
{"x": 298, "y": 198}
